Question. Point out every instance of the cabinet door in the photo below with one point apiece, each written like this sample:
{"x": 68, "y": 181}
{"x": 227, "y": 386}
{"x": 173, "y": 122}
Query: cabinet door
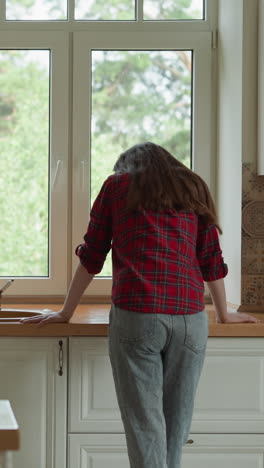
{"x": 97, "y": 451}
{"x": 229, "y": 398}
{"x": 93, "y": 405}
{"x": 207, "y": 451}
{"x": 224, "y": 450}
{"x": 230, "y": 394}
{"x": 29, "y": 370}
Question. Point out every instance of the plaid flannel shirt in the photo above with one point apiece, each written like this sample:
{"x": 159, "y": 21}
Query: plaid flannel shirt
{"x": 160, "y": 259}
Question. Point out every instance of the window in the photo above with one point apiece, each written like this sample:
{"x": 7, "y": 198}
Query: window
{"x": 36, "y": 10}
{"x": 145, "y": 60}
{"x": 24, "y": 170}
{"x": 34, "y": 161}
{"x": 173, "y": 10}
{"x": 105, "y": 10}
{"x": 74, "y": 94}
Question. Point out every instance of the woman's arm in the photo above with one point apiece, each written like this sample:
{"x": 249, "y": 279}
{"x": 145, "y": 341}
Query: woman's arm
{"x": 92, "y": 256}
{"x": 214, "y": 270}
{"x": 217, "y": 290}
{"x": 77, "y": 287}
{"x": 79, "y": 283}
{"x": 218, "y": 295}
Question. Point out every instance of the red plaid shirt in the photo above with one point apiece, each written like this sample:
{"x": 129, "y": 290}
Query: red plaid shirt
{"x": 160, "y": 259}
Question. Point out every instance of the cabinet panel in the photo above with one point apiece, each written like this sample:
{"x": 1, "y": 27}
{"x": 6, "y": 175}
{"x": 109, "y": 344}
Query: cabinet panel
{"x": 29, "y": 379}
{"x": 230, "y": 395}
{"x": 92, "y": 399}
{"x": 97, "y": 451}
{"x": 228, "y": 450}
{"x": 217, "y": 450}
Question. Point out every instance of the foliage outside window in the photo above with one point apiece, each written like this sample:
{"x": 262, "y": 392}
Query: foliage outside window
{"x": 104, "y": 10}
{"x": 136, "y": 95}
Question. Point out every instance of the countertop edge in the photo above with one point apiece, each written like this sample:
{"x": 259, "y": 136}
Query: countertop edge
{"x": 92, "y": 320}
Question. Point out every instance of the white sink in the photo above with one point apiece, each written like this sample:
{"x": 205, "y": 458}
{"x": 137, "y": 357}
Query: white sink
{"x": 7, "y": 315}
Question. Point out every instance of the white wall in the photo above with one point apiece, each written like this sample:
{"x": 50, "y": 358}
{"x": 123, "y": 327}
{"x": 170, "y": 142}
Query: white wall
{"x": 230, "y": 139}
{"x": 250, "y": 80}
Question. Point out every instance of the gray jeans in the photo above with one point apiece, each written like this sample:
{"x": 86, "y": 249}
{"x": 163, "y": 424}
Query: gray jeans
{"x": 156, "y": 363}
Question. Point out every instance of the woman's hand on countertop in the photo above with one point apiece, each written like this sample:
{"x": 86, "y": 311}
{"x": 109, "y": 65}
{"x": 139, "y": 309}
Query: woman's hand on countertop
{"x": 78, "y": 285}
{"x": 44, "y": 319}
{"x": 238, "y": 317}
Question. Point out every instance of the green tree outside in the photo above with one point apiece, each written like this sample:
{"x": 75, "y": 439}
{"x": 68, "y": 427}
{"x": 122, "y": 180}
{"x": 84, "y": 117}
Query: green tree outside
{"x": 24, "y": 164}
{"x": 136, "y": 96}
{"x": 115, "y": 10}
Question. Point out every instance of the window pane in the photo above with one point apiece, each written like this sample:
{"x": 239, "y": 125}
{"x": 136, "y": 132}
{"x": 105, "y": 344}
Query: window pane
{"x": 173, "y": 9}
{"x": 138, "y": 96}
{"x": 105, "y": 10}
{"x": 24, "y": 162}
{"x": 34, "y": 10}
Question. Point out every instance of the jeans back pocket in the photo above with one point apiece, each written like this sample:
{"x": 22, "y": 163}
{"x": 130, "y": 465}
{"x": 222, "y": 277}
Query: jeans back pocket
{"x": 196, "y": 331}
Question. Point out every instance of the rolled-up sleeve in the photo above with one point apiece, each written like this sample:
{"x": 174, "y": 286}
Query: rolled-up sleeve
{"x": 209, "y": 253}
{"x": 98, "y": 238}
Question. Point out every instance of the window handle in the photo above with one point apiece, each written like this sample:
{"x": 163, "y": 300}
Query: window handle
{"x": 57, "y": 172}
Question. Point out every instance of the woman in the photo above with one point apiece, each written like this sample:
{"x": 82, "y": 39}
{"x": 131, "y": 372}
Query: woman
{"x": 159, "y": 219}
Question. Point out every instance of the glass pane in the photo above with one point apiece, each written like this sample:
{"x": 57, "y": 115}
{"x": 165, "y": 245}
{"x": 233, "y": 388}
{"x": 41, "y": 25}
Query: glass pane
{"x": 105, "y": 10}
{"x": 36, "y": 10}
{"x": 173, "y": 9}
{"x": 24, "y": 162}
{"x": 139, "y": 96}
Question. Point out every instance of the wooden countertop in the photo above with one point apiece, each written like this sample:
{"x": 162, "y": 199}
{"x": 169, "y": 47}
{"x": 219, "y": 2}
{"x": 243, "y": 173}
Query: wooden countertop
{"x": 9, "y": 432}
{"x": 92, "y": 320}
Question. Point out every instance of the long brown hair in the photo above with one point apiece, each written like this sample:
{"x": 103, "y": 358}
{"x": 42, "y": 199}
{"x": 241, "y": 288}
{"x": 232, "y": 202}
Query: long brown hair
{"x": 160, "y": 182}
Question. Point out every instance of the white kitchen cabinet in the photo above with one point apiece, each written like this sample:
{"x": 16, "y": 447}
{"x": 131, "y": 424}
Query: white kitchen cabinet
{"x": 229, "y": 399}
{"x": 207, "y": 451}
{"x": 97, "y": 451}
{"x": 224, "y": 450}
{"x": 92, "y": 400}
{"x": 228, "y": 420}
{"x": 230, "y": 395}
{"x": 29, "y": 378}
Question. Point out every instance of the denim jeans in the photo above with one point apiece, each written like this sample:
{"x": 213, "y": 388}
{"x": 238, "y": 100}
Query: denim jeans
{"x": 156, "y": 362}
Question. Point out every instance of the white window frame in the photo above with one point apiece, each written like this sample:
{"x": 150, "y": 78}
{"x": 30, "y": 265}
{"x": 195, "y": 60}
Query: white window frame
{"x": 126, "y": 26}
{"x": 56, "y": 283}
{"x": 84, "y": 43}
{"x": 69, "y": 40}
